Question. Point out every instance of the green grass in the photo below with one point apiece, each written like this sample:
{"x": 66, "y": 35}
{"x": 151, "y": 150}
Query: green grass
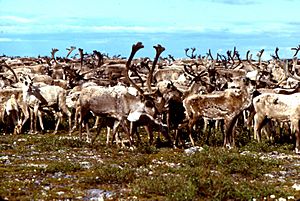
{"x": 62, "y": 166}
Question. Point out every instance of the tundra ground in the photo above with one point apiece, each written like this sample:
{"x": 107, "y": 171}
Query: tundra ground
{"x": 60, "y": 167}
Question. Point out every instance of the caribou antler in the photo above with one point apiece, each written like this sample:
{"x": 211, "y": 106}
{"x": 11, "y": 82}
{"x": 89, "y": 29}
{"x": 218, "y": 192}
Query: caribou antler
{"x": 186, "y": 51}
{"x": 70, "y": 50}
{"x": 229, "y": 55}
{"x": 99, "y": 57}
{"x": 81, "y": 57}
{"x": 53, "y": 51}
{"x": 247, "y": 55}
{"x": 210, "y": 55}
{"x": 297, "y": 50}
{"x": 259, "y": 55}
{"x": 219, "y": 57}
{"x": 9, "y": 68}
{"x": 171, "y": 57}
{"x": 238, "y": 57}
{"x": 196, "y": 76}
{"x": 135, "y": 48}
{"x": 249, "y": 60}
{"x": 276, "y": 57}
{"x": 276, "y": 52}
{"x": 159, "y": 49}
{"x": 192, "y": 56}
{"x": 288, "y": 73}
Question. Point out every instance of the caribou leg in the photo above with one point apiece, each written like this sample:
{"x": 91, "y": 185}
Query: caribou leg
{"x": 68, "y": 113}
{"x": 34, "y": 117}
{"x": 229, "y": 138}
{"x": 115, "y": 128}
{"x": 149, "y": 131}
{"x": 88, "y": 138}
{"x": 295, "y": 126}
{"x": 26, "y": 117}
{"x": 82, "y": 118}
{"x": 98, "y": 126}
{"x": 259, "y": 122}
{"x": 59, "y": 118}
{"x": 75, "y": 120}
{"x": 41, "y": 120}
{"x": 191, "y": 124}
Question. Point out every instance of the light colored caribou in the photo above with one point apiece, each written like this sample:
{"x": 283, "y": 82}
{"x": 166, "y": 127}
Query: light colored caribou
{"x": 279, "y": 107}
{"x": 226, "y": 105}
{"x": 117, "y": 102}
{"x": 48, "y": 96}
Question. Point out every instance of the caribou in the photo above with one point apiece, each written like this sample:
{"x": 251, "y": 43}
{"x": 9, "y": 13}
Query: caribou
{"x": 226, "y": 105}
{"x": 171, "y": 95}
{"x": 283, "y": 106}
{"x": 48, "y": 96}
{"x": 119, "y": 102}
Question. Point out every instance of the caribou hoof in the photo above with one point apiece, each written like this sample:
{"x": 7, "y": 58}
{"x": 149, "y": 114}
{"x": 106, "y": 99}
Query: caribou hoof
{"x": 228, "y": 146}
{"x": 32, "y": 132}
{"x": 72, "y": 130}
{"x": 175, "y": 146}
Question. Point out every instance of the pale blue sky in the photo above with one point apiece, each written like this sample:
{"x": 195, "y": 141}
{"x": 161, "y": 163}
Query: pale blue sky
{"x": 239, "y": 18}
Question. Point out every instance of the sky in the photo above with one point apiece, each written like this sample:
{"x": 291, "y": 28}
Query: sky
{"x": 33, "y": 26}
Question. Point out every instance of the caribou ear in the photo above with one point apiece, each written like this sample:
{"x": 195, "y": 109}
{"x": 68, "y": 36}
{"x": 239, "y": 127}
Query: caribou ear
{"x": 29, "y": 77}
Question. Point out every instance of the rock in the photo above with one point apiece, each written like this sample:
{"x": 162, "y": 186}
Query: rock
{"x": 269, "y": 175}
{"x": 60, "y": 193}
{"x": 22, "y": 140}
{"x": 193, "y": 150}
{"x": 85, "y": 165}
{"x": 57, "y": 175}
{"x": 3, "y": 157}
{"x": 47, "y": 188}
{"x": 98, "y": 195}
{"x": 296, "y": 187}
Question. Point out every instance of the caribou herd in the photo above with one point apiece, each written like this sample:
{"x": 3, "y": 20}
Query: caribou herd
{"x": 167, "y": 96}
